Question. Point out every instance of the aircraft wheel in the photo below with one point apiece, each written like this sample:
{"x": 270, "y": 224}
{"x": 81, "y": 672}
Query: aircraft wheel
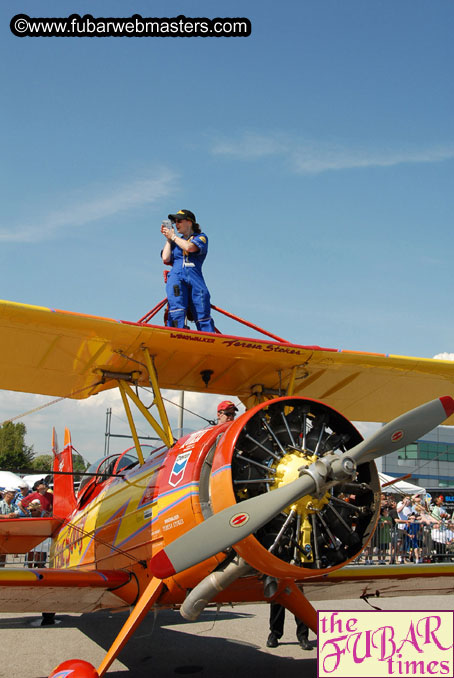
{"x": 74, "y": 668}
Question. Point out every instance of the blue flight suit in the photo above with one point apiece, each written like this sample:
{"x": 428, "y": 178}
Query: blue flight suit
{"x": 186, "y": 288}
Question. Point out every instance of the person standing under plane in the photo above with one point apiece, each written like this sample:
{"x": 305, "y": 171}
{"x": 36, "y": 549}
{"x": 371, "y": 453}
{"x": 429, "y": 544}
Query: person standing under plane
{"x": 185, "y": 287}
{"x": 277, "y": 618}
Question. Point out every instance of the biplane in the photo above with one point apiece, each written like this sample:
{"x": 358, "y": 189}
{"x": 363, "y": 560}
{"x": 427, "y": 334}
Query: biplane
{"x": 248, "y": 511}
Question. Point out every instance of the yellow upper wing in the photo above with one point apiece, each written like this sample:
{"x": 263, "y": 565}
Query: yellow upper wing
{"x": 63, "y": 354}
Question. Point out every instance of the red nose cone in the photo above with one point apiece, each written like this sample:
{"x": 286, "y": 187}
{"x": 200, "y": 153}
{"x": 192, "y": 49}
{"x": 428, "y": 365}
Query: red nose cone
{"x": 161, "y": 565}
{"x": 74, "y": 668}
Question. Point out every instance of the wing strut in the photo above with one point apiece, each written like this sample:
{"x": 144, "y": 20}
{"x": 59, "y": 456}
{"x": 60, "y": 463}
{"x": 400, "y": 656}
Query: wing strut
{"x": 162, "y": 428}
{"x": 146, "y": 600}
{"x": 124, "y": 391}
{"x": 158, "y": 398}
{"x": 85, "y": 669}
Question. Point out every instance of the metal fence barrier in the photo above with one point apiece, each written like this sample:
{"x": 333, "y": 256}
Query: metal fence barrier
{"x": 38, "y": 557}
{"x": 398, "y": 546}
{"x": 394, "y": 547}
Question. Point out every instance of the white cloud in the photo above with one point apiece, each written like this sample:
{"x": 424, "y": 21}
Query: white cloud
{"x": 86, "y": 418}
{"x": 313, "y": 157}
{"x": 106, "y": 203}
{"x": 444, "y": 356}
{"x": 252, "y": 146}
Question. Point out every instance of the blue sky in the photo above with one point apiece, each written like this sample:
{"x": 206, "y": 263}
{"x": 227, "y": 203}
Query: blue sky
{"x": 317, "y": 154}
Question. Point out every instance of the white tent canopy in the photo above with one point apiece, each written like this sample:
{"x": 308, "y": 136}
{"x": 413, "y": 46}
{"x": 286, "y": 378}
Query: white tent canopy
{"x": 9, "y": 479}
{"x": 401, "y": 487}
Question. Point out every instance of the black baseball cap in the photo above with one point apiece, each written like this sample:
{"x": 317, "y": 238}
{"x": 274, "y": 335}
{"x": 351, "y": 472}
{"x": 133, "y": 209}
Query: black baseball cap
{"x": 183, "y": 214}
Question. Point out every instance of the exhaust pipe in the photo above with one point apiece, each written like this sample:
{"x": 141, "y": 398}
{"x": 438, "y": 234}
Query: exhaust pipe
{"x": 199, "y": 597}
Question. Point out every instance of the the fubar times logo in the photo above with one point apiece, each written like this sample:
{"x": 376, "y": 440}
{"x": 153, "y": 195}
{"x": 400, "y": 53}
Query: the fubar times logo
{"x": 378, "y": 644}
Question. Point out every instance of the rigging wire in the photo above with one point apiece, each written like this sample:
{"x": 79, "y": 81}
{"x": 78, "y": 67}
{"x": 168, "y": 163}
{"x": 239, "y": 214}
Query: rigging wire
{"x": 52, "y": 402}
{"x": 185, "y": 409}
{"x": 418, "y": 468}
{"x": 92, "y": 535}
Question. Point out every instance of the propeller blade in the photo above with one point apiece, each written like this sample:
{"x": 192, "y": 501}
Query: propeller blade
{"x": 226, "y": 528}
{"x": 237, "y": 522}
{"x": 402, "y": 431}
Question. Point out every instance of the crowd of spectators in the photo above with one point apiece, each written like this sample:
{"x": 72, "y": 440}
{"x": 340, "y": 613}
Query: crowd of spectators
{"x": 412, "y": 528}
{"x": 22, "y": 502}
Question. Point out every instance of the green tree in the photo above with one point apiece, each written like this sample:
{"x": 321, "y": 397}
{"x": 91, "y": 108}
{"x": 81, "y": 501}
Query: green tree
{"x": 43, "y": 462}
{"x": 79, "y": 464}
{"x": 14, "y": 453}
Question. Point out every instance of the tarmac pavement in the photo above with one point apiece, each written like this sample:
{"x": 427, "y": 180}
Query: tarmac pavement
{"x": 229, "y": 643}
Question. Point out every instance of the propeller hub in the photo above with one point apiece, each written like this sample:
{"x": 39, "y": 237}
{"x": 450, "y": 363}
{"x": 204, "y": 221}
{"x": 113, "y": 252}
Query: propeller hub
{"x": 288, "y": 470}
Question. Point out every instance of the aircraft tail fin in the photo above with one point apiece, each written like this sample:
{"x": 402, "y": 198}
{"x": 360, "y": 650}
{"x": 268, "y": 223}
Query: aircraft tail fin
{"x": 64, "y": 497}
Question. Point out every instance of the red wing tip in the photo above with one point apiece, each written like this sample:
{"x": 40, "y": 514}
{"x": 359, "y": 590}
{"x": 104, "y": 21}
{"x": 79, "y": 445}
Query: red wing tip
{"x": 448, "y": 405}
{"x": 161, "y": 566}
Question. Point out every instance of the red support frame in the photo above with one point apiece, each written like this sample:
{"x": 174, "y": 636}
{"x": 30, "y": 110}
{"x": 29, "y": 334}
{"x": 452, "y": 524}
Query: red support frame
{"x": 148, "y": 316}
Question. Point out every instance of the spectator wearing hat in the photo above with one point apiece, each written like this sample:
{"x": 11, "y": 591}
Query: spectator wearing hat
{"x": 226, "y": 411}
{"x": 24, "y": 491}
{"x": 8, "y": 508}
{"x": 35, "y": 509}
{"x": 186, "y": 290}
{"x": 41, "y": 493}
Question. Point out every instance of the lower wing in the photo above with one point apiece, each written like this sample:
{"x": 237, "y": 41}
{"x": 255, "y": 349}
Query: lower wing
{"x": 19, "y": 535}
{"x": 48, "y": 590}
{"x": 365, "y": 582}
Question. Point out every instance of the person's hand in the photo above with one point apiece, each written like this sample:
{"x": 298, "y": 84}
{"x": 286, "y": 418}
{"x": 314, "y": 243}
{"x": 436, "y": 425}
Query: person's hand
{"x": 167, "y": 232}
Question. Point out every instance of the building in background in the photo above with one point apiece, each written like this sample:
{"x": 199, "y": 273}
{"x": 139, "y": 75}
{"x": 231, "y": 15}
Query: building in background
{"x": 430, "y": 461}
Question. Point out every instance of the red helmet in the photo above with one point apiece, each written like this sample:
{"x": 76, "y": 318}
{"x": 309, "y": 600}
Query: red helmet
{"x": 227, "y": 405}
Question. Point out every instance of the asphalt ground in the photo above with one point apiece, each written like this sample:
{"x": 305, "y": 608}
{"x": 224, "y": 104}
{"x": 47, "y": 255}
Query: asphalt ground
{"x": 229, "y": 643}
